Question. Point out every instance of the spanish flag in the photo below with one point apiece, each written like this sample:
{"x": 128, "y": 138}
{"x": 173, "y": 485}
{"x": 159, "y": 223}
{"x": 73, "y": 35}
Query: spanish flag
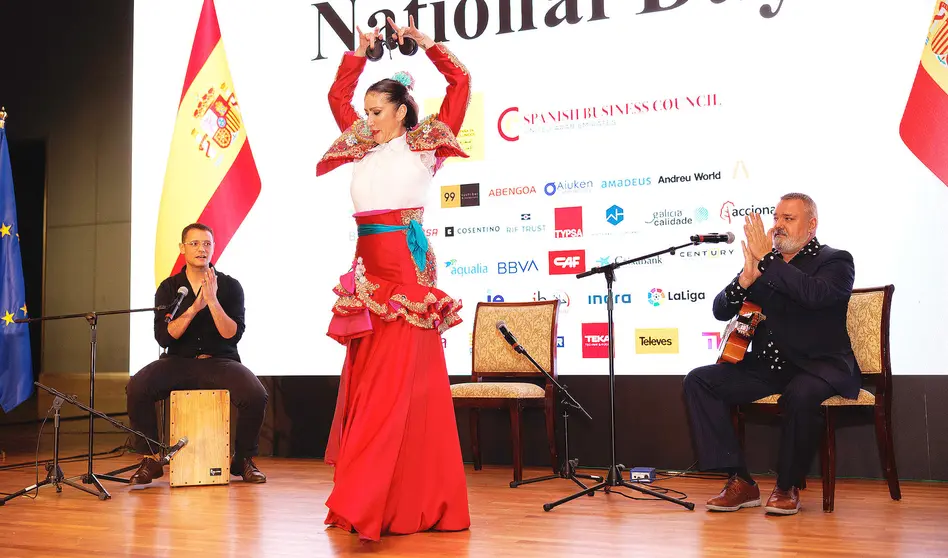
{"x": 924, "y": 127}
{"x": 211, "y": 176}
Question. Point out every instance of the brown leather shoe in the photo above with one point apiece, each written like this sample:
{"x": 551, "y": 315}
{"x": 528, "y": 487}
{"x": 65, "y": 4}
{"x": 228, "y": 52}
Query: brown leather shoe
{"x": 783, "y": 502}
{"x": 148, "y": 471}
{"x": 247, "y": 469}
{"x": 737, "y": 494}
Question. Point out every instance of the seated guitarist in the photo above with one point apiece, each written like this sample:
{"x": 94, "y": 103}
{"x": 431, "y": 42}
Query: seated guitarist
{"x": 801, "y": 351}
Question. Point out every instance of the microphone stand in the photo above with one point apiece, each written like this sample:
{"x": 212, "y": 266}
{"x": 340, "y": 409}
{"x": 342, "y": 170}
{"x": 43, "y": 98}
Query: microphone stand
{"x": 93, "y": 319}
{"x": 54, "y": 474}
{"x": 614, "y": 477}
{"x": 568, "y": 469}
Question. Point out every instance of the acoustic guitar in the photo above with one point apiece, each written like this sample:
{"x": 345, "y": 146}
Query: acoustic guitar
{"x": 739, "y": 332}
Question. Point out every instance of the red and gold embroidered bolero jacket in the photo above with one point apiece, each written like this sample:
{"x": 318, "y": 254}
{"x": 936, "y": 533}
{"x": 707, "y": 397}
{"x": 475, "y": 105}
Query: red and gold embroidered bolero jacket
{"x": 435, "y": 133}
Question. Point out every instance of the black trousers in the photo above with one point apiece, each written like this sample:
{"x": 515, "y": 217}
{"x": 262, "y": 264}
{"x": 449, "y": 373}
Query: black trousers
{"x": 156, "y": 381}
{"x": 710, "y": 391}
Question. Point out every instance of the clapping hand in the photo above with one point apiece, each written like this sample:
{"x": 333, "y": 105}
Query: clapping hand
{"x": 209, "y": 285}
{"x": 750, "y": 272}
{"x": 758, "y": 244}
{"x": 200, "y": 302}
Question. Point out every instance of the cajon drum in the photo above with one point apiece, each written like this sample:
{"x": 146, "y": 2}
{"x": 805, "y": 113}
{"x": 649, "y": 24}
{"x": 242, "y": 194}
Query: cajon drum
{"x": 204, "y": 417}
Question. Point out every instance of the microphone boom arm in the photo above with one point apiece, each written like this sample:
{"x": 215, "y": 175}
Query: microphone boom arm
{"x": 572, "y": 401}
{"x": 610, "y": 268}
{"x": 72, "y": 400}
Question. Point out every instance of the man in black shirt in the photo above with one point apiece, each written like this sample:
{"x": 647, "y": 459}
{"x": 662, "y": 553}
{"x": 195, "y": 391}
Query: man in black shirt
{"x": 201, "y": 345}
{"x": 801, "y": 351}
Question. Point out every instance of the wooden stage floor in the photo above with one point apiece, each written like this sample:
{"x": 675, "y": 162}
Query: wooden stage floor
{"x": 285, "y": 518}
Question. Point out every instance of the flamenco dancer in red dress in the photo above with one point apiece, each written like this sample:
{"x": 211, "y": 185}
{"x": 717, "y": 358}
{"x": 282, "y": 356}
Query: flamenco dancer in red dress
{"x": 394, "y": 442}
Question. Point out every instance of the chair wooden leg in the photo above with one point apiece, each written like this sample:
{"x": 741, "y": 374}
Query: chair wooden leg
{"x": 474, "y": 415}
{"x": 549, "y": 411}
{"x": 516, "y": 416}
{"x": 886, "y": 447}
{"x": 828, "y": 459}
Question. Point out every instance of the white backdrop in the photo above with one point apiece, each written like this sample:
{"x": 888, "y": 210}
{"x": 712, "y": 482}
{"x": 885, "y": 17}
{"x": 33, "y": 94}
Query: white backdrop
{"x": 809, "y": 100}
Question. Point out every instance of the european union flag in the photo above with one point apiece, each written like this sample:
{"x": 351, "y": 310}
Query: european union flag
{"x": 16, "y": 368}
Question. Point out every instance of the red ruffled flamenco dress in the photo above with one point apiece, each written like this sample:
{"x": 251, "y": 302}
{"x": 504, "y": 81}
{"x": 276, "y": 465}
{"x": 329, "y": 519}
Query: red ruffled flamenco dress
{"x": 394, "y": 440}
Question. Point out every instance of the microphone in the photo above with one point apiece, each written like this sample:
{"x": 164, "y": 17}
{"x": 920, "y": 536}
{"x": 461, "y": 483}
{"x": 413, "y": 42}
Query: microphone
{"x": 713, "y": 238}
{"x": 174, "y": 449}
{"x": 182, "y": 292}
{"x": 509, "y": 337}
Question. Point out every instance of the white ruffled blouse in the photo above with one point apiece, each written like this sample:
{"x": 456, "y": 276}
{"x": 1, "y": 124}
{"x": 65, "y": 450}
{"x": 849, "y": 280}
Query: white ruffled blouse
{"x": 392, "y": 176}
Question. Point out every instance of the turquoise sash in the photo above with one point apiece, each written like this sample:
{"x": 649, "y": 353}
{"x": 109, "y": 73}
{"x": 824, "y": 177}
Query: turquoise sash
{"x": 417, "y": 241}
